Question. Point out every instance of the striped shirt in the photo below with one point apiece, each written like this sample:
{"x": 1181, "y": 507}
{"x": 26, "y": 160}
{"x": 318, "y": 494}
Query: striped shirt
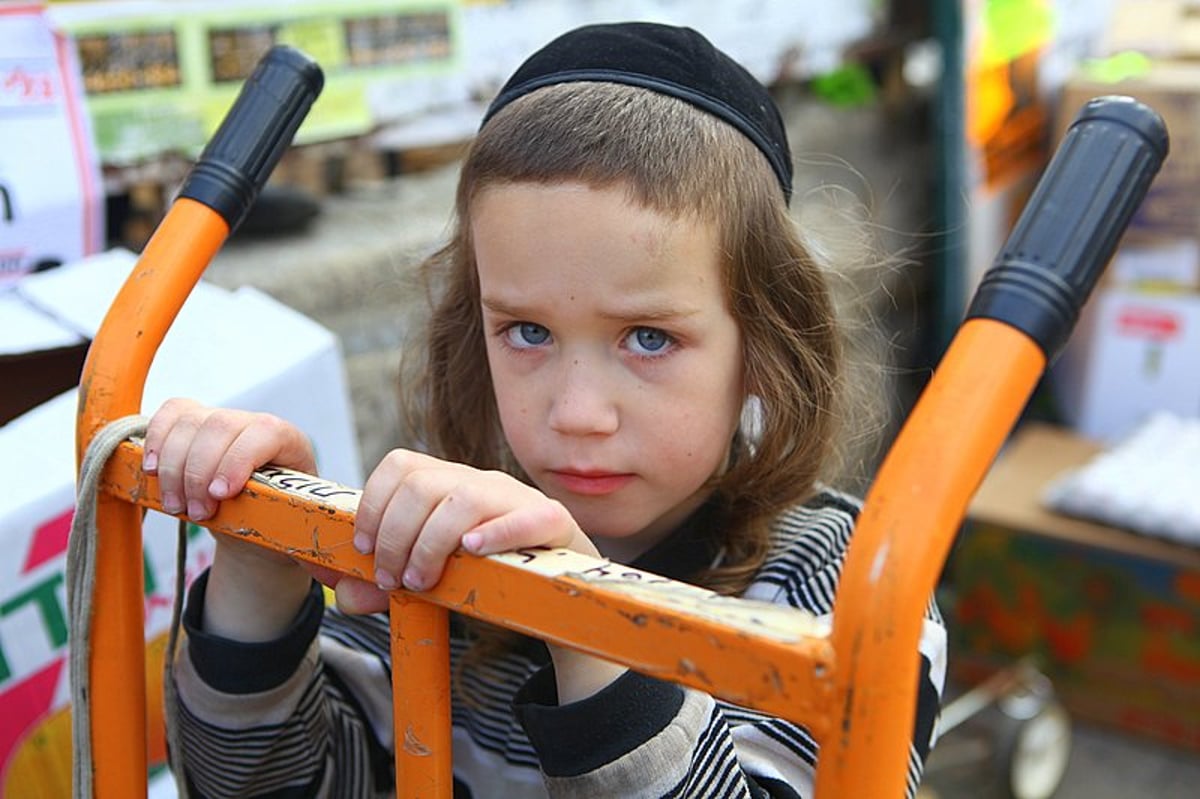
{"x": 310, "y": 715}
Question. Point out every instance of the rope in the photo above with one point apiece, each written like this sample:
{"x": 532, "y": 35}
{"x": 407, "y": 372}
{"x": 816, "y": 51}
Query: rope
{"x": 170, "y": 690}
{"x": 81, "y": 584}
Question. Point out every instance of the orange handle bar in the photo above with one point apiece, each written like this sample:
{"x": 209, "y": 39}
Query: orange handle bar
{"x": 1020, "y": 317}
{"x": 219, "y": 190}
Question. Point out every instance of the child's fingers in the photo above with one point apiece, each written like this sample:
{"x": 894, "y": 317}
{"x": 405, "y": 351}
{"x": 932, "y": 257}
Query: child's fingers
{"x": 376, "y": 495}
{"x": 540, "y": 524}
{"x": 389, "y": 477}
{"x": 172, "y": 453}
{"x": 416, "y": 510}
{"x": 159, "y": 428}
{"x": 261, "y": 438}
{"x": 442, "y": 534}
{"x": 203, "y": 455}
{"x": 209, "y": 445}
{"x": 398, "y": 529}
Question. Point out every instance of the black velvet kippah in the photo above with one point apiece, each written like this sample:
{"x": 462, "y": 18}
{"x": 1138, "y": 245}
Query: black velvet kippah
{"x": 674, "y": 61}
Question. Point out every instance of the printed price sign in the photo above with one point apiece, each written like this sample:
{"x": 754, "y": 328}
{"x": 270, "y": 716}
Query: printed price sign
{"x": 51, "y": 198}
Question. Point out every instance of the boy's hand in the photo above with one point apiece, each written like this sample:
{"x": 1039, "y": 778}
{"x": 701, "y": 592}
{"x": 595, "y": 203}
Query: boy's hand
{"x": 203, "y": 455}
{"x": 416, "y": 510}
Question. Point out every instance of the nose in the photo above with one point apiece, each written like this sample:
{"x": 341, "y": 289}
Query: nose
{"x": 585, "y": 402}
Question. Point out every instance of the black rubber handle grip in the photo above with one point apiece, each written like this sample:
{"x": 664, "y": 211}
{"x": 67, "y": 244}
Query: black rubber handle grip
{"x": 260, "y": 125}
{"x": 1070, "y": 227}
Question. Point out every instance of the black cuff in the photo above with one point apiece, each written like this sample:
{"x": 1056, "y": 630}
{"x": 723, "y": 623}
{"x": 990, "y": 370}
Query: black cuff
{"x": 582, "y": 736}
{"x": 236, "y": 667}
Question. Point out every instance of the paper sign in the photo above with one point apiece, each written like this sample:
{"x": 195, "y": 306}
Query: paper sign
{"x": 51, "y": 198}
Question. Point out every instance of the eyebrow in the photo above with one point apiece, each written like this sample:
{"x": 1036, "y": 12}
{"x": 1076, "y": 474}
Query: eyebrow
{"x": 647, "y": 313}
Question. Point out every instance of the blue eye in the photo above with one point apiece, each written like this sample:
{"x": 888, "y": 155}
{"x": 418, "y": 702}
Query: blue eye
{"x": 648, "y": 340}
{"x": 527, "y": 334}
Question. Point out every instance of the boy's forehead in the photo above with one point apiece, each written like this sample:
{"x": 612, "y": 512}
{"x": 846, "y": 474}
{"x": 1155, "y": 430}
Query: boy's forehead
{"x": 518, "y": 297}
{"x": 561, "y": 200}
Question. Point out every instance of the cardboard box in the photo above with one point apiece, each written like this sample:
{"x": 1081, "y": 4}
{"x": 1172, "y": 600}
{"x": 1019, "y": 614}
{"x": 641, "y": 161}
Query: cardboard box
{"x": 51, "y": 195}
{"x": 39, "y": 357}
{"x": 241, "y": 349}
{"x": 1113, "y": 617}
{"x": 1158, "y": 28}
{"x": 1133, "y": 353}
{"x": 1171, "y": 208}
{"x": 1164, "y": 264}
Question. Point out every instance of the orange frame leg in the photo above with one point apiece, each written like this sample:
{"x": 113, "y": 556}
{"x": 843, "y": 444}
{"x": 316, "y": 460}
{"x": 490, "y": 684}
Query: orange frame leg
{"x": 421, "y": 693}
{"x": 909, "y": 521}
{"x": 115, "y": 376}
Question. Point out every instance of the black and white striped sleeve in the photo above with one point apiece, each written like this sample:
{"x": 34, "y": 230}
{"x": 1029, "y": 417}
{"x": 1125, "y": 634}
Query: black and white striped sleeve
{"x": 272, "y": 720}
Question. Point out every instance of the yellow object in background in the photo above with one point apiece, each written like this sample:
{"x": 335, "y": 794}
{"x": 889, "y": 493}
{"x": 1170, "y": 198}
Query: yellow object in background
{"x": 40, "y": 765}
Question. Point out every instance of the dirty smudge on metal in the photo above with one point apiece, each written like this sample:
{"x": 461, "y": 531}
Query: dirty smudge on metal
{"x": 776, "y": 681}
{"x": 688, "y": 668}
{"x": 688, "y": 601}
{"x": 413, "y": 745}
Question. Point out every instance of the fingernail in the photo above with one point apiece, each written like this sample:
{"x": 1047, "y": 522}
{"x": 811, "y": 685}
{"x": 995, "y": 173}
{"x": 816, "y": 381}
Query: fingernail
{"x": 197, "y": 511}
{"x": 413, "y": 581}
{"x": 384, "y": 580}
{"x": 150, "y": 461}
{"x": 472, "y": 542}
{"x": 171, "y": 503}
{"x": 219, "y": 488}
{"x": 362, "y": 542}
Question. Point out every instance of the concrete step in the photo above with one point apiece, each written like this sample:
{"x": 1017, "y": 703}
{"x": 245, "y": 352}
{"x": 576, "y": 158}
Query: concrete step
{"x": 360, "y": 251}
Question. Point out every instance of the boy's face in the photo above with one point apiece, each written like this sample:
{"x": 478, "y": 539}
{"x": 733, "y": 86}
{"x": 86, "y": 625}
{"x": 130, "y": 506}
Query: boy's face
{"x": 616, "y": 365}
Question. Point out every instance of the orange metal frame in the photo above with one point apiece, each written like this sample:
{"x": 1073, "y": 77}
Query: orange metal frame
{"x": 853, "y": 686}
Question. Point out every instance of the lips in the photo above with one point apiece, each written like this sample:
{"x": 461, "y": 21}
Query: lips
{"x": 591, "y": 483}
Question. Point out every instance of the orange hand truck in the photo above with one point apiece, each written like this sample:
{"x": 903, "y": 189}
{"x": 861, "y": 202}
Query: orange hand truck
{"x": 851, "y": 683}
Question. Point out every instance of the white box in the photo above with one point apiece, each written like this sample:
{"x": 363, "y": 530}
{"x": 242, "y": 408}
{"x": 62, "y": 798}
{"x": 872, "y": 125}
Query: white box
{"x": 1160, "y": 264}
{"x": 241, "y": 349}
{"x": 51, "y": 193}
{"x": 1133, "y": 353}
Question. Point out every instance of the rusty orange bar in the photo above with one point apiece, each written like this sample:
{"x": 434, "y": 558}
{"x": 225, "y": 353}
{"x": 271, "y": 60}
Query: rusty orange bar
{"x": 114, "y": 378}
{"x": 774, "y": 659}
{"x": 909, "y": 521}
{"x": 421, "y": 687}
